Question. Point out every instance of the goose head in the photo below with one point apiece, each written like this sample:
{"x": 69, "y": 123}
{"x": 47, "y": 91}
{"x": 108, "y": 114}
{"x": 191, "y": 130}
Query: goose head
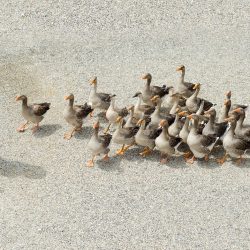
{"x": 93, "y": 81}
{"x": 21, "y": 98}
{"x": 69, "y": 97}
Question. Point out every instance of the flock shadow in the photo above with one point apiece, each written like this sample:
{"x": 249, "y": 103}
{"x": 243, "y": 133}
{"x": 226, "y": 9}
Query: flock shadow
{"x": 13, "y": 169}
{"x": 132, "y": 155}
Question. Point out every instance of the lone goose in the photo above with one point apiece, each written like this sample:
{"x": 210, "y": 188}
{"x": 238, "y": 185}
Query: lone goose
{"x": 74, "y": 115}
{"x": 184, "y": 88}
{"x": 149, "y": 91}
{"x": 98, "y": 144}
{"x": 32, "y": 113}
{"x": 235, "y": 146}
{"x": 200, "y": 145}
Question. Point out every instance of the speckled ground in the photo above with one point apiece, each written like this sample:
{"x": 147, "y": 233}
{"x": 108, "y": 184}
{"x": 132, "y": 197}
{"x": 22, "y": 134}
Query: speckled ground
{"x": 48, "y": 198}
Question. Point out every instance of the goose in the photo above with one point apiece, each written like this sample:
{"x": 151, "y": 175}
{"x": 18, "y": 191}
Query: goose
{"x": 74, "y": 115}
{"x": 235, "y": 146}
{"x": 33, "y": 113}
{"x": 149, "y": 91}
{"x": 200, "y": 145}
{"x": 184, "y": 88}
{"x": 98, "y": 144}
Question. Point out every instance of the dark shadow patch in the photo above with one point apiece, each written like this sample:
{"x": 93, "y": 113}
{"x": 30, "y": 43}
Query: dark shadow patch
{"x": 176, "y": 162}
{"x": 113, "y": 165}
{"x": 86, "y": 132}
{"x": 47, "y": 130}
{"x": 13, "y": 169}
{"x": 244, "y": 164}
{"x": 210, "y": 164}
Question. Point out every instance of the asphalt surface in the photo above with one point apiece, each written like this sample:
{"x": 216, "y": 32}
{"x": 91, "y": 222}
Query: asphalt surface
{"x": 49, "y": 199}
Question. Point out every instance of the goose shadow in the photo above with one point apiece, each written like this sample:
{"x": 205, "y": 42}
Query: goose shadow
{"x": 13, "y": 169}
{"x": 113, "y": 165}
{"x": 177, "y": 162}
{"x": 244, "y": 164}
{"x": 47, "y": 130}
{"x": 86, "y": 132}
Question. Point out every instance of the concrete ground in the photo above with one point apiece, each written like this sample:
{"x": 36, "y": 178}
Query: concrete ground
{"x": 49, "y": 199}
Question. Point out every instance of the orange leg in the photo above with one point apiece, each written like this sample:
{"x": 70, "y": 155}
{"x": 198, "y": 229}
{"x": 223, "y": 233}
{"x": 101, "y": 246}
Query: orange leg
{"x": 191, "y": 160}
{"x": 222, "y": 160}
{"x": 106, "y": 157}
{"x": 120, "y": 151}
{"x": 240, "y": 160}
{"x": 164, "y": 159}
{"x": 90, "y": 163}
{"x": 69, "y": 134}
{"x": 146, "y": 152}
{"x": 206, "y": 158}
{"x": 35, "y": 128}
{"x": 22, "y": 127}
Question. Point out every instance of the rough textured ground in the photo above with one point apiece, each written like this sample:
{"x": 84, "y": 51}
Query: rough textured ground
{"x": 48, "y": 198}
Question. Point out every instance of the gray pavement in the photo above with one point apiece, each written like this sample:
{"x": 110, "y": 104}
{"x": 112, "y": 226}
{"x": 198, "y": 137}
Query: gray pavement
{"x": 48, "y": 198}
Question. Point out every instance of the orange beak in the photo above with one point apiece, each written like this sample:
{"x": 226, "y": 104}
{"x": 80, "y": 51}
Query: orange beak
{"x": 66, "y": 97}
{"x": 162, "y": 123}
{"x": 139, "y": 122}
{"x": 179, "y": 69}
{"x": 17, "y": 98}
{"x": 182, "y": 113}
{"x": 93, "y": 81}
{"x": 238, "y": 110}
{"x": 190, "y": 117}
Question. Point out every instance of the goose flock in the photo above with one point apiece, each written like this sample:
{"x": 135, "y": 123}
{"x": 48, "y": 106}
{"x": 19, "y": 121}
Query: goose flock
{"x": 174, "y": 120}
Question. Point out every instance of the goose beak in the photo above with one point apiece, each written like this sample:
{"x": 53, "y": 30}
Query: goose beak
{"x": 154, "y": 98}
{"x": 118, "y": 119}
{"x": 190, "y": 117}
{"x": 17, "y": 98}
{"x": 93, "y": 81}
{"x": 238, "y": 110}
{"x": 139, "y": 122}
{"x": 66, "y": 97}
{"x": 197, "y": 85}
{"x": 162, "y": 124}
{"x": 179, "y": 68}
